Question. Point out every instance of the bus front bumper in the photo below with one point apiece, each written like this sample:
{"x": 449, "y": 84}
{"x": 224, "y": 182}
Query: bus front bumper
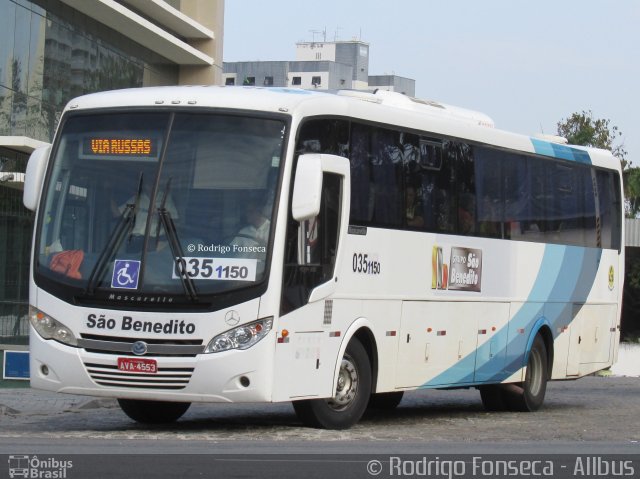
{"x": 231, "y": 376}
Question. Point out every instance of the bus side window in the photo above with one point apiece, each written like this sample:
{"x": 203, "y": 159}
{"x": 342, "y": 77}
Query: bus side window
{"x": 444, "y": 193}
{"x": 489, "y": 192}
{"x": 609, "y": 207}
{"x": 361, "y": 189}
{"x": 376, "y": 158}
{"x": 386, "y": 176}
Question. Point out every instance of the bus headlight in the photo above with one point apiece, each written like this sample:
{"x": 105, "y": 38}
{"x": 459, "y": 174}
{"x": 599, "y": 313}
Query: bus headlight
{"x": 242, "y": 337}
{"x": 50, "y": 328}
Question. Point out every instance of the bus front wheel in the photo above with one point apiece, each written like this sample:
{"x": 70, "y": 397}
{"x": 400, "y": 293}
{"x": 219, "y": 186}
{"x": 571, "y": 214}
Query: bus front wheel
{"x": 153, "y": 412}
{"x": 353, "y": 389}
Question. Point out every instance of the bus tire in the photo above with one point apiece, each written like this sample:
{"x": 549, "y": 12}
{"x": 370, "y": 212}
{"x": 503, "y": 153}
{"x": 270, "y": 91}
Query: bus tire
{"x": 385, "y": 401}
{"x": 493, "y": 398}
{"x": 528, "y": 396}
{"x": 153, "y": 412}
{"x": 352, "y": 394}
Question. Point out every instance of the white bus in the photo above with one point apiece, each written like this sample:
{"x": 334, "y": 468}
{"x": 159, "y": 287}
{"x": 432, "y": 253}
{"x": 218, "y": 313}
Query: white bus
{"x": 216, "y": 244}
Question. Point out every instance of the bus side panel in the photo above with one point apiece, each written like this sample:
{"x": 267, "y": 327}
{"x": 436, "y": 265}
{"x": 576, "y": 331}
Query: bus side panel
{"x": 384, "y": 315}
{"x": 596, "y": 336}
{"x": 491, "y": 355}
{"x": 305, "y": 360}
{"x": 561, "y": 331}
{"x": 452, "y": 343}
{"x": 434, "y": 338}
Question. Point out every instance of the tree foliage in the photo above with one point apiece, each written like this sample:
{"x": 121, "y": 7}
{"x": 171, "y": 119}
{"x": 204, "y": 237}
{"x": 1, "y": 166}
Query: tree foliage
{"x": 631, "y": 177}
{"x": 583, "y": 129}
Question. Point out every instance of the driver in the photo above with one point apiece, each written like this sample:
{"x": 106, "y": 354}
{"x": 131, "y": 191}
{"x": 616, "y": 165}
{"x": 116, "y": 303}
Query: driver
{"x": 256, "y": 231}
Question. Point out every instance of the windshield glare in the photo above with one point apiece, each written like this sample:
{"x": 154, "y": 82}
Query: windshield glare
{"x": 136, "y": 202}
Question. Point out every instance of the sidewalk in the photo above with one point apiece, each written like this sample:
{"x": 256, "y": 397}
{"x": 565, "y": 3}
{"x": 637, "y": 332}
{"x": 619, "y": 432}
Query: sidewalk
{"x": 35, "y": 402}
{"x": 628, "y": 360}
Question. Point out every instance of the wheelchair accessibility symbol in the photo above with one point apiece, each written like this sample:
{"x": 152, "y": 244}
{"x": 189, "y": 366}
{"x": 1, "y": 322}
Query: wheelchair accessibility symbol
{"x": 125, "y": 274}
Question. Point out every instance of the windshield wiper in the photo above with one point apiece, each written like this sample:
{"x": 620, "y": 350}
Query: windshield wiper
{"x": 126, "y": 222}
{"x": 174, "y": 244}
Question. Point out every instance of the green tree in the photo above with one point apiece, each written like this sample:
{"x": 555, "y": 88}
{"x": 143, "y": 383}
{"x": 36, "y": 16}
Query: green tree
{"x": 583, "y": 129}
{"x": 631, "y": 177}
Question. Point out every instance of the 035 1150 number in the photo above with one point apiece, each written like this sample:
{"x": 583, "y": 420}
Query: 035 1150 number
{"x": 361, "y": 263}
{"x": 216, "y": 269}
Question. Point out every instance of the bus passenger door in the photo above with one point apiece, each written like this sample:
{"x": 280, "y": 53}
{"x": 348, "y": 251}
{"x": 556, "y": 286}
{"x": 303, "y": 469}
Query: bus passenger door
{"x": 306, "y": 358}
{"x": 317, "y": 227}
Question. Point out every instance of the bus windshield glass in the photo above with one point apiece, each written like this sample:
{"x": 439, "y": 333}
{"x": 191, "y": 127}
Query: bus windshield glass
{"x": 160, "y": 203}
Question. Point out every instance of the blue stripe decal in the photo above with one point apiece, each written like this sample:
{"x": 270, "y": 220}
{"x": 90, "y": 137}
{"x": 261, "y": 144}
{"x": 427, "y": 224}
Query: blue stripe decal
{"x": 563, "y": 152}
{"x": 565, "y": 278}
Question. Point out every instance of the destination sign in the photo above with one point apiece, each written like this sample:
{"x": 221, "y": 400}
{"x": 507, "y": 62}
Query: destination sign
{"x": 103, "y": 147}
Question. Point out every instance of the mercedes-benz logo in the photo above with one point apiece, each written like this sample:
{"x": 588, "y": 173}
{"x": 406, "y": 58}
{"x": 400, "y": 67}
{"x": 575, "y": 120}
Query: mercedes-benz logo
{"x": 232, "y": 318}
{"x": 139, "y": 348}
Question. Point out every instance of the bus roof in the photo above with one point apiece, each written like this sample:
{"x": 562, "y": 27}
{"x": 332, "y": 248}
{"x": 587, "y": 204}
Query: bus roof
{"x": 381, "y": 107}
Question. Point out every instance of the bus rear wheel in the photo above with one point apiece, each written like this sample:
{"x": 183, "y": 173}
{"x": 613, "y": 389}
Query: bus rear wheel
{"x": 529, "y": 395}
{"x": 153, "y": 412}
{"x": 526, "y": 396}
{"x": 353, "y": 389}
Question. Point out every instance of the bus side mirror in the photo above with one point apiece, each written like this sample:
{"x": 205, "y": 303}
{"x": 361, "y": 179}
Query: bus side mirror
{"x": 314, "y": 187}
{"x": 33, "y": 179}
{"x": 307, "y": 187}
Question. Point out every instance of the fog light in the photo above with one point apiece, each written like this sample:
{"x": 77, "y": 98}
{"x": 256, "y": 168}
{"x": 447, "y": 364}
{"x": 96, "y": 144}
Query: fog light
{"x": 44, "y": 370}
{"x": 244, "y": 382}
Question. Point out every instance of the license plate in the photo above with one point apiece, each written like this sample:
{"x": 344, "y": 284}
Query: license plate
{"x": 138, "y": 365}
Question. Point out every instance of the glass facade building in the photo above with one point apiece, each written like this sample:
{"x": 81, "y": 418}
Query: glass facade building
{"x": 16, "y": 225}
{"x": 49, "y": 54}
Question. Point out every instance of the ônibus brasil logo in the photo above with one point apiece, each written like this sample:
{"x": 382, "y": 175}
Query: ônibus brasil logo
{"x": 35, "y": 467}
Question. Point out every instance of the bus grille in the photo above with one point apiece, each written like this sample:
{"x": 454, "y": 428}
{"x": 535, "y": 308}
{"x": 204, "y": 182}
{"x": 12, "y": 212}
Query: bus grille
{"x": 94, "y": 343}
{"x": 165, "y": 378}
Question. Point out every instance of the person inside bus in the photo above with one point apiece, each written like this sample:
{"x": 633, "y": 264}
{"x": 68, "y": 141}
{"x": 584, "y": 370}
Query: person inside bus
{"x": 466, "y": 217}
{"x": 136, "y": 236}
{"x": 413, "y": 208}
{"x": 256, "y": 230}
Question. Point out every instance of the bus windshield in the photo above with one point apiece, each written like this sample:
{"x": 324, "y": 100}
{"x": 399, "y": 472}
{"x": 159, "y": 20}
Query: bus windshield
{"x": 160, "y": 203}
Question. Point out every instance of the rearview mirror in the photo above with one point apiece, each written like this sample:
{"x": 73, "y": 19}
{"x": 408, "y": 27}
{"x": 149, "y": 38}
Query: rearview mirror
{"x": 34, "y": 175}
{"x": 307, "y": 187}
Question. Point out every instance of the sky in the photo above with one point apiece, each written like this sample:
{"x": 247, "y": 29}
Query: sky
{"x": 528, "y": 65}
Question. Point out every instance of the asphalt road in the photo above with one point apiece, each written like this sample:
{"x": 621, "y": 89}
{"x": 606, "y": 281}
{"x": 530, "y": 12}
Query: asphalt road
{"x": 597, "y": 416}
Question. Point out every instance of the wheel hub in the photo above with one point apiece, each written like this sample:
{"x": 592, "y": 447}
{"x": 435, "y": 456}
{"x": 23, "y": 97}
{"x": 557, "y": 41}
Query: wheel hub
{"x": 346, "y": 387}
